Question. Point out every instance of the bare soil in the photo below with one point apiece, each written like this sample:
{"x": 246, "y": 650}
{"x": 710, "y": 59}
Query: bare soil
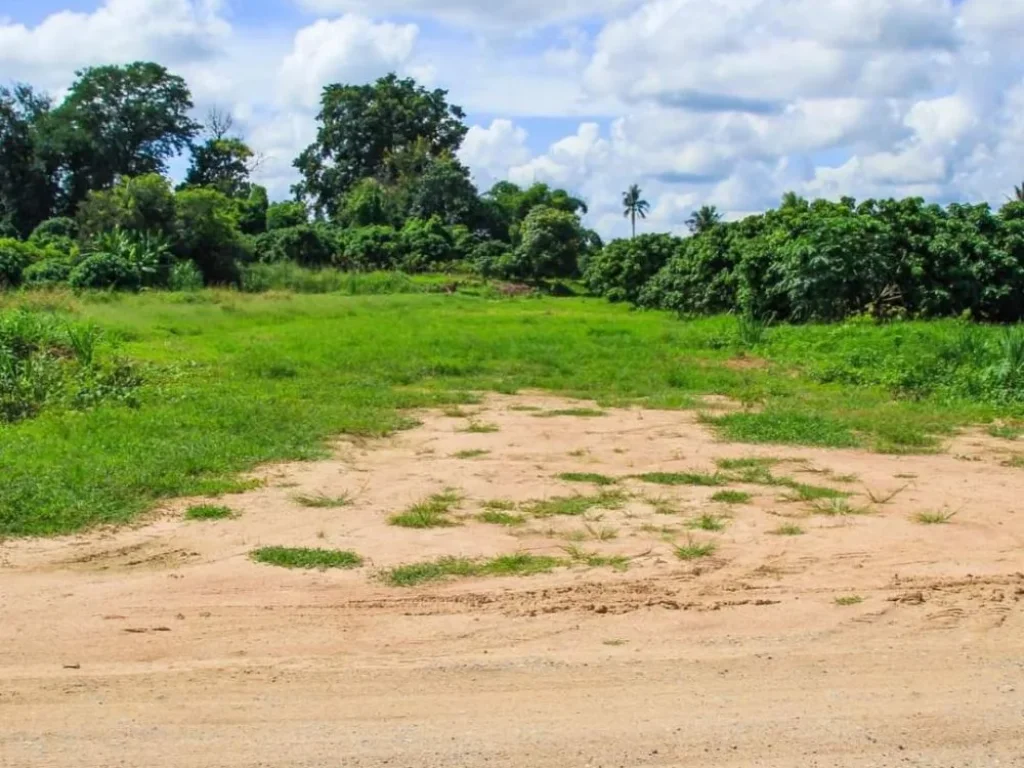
{"x": 164, "y": 644}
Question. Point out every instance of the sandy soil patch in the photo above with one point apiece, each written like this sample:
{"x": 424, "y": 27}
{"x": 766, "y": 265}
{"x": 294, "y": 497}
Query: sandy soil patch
{"x": 870, "y": 638}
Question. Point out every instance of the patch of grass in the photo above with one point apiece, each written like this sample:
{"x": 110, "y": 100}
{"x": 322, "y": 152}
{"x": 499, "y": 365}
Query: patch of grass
{"x": 1016, "y": 462}
{"x": 602, "y": 533}
{"x": 732, "y": 497}
{"x": 833, "y": 507}
{"x": 788, "y": 529}
{"x": 473, "y": 454}
{"x": 455, "y": 412}
{"x": 751, "y": 462}
{"x": 804, "y": 492}
{"x": 662, "y": 505}
{"x": 583, "y": 413}
{"x": 525, "y": 408}
{"x": 849, "y": 600}
{"x": 208, "y": 512}
{"x": 500, "y": 505}
{"x": 682, "y": 478}
{"x": 885, "y": 497}
{"x": 574, "y": 506}
{"x": 520, "y": 564}
{"x": 707, "y": 523}
{"x": 501, "y": 518}
{"x": 481, "y": 428}
{"x": 587, "y": 477}
{"x": 322, "y": 501}
{"x": 595, "y": 559}
{"x": 431, "y": 513}
{"x": 1006, "y": 431}
{"x": 291, "y": 557}
{"x": 786, "y": 427}
{"x": 942, "y": 517}
{"x": 579, "y": 453}
{"x": 695, "y": 550}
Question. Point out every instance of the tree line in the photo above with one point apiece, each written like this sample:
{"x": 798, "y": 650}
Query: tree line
{"x": 85, "y": 199}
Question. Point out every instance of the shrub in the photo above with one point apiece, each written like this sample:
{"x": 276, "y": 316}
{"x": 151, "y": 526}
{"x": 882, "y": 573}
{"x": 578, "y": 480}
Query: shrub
{"x": 15, "y": 256}
{"x": 105, "y": 270}
{"x": 550, "y": 244}
{"x": 376, "y": 247}
{"x": 699, "y": 278}
{"x": 620, "y": 270}
{"x": 284, "y": 215}
{"x": 206, "y": 233}
{"x": 425, "y": 243}
{"x": 58, "y": 233}
{"x": 307, "y": 244}
{"x": 138, "y": 204}
{"x": 47, "y": 272}
{"x": 185, "y": 276}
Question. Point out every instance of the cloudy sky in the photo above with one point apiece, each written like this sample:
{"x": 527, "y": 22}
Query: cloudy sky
{"x": 728, "y": 102}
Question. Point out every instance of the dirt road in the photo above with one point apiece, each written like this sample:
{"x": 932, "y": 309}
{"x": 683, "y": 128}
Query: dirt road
{"x": 869, "y": 640}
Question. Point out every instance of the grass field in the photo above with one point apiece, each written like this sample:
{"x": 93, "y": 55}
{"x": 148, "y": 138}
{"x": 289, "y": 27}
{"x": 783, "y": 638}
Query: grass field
{"x": 231, "y": 380}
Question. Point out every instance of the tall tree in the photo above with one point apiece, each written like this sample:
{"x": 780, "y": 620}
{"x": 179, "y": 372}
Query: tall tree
{"x": 27, "y": 179}
{"x": 1018, "y": 193}
{"x": 703, "y": 219}
{"x": 222, "y": 161}
{"x": 634, "y": 205}
{"x": 119, "y": 121}
{"x": 363, "y": 125}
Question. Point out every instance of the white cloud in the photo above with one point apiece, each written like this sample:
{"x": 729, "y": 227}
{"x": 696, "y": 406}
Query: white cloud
{"x": 348, "y": 49}
{"x": 490, "y": 152}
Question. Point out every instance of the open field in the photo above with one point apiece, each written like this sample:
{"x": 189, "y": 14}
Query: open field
{"x": 616, "y": 648}
{"x": 444, "y": 530}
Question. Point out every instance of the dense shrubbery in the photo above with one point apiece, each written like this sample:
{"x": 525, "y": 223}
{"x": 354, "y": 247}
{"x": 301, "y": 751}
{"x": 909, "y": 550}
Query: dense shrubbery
{"x": 824, "y": 261}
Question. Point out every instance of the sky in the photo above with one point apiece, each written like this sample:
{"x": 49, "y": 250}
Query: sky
{"x": 722, "y": 102}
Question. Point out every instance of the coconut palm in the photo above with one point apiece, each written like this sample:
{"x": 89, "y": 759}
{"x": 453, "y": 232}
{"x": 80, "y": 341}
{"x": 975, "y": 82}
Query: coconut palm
{"x": 703, "y": 219}
{"x": 1018, "y": 193}
{"x": 634, "y": 205}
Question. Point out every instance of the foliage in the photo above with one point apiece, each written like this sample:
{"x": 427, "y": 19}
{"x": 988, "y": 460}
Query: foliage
{"x": 252, "y": 214}
{"x": 425, "y": 243}
{"x": 551, "y": 243}
{"x": 634, "y": 205}
{"x": 185, "y": 276}
{"x": 105, "y": 269}
{"x": 621, "y": 269}
{"x": 373, "y": 247}
{"x": 309, "y": 245}
{"x": 285, "y": 215}
{"x": 15, "y": 256}
{"x": 58, "y": 233}
{"x": 135, "y": 204}
{"x": 704, "y": 219}
{"x": 206, "y": 233}
{"x": 444, "y": 190}
{"x": 28, "y": 179}
{"x": 369, "y": 203}
{"x": 48, "y": 272}
{"x": 362, "y": 126}
{"x": 221, "y": 163}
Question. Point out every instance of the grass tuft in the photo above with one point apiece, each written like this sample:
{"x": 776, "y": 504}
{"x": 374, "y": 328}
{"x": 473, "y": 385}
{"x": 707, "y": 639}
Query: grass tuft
{"x": 208, "y": 512}
{"x": 935, "y": 518}
{"x": 495, "y": 517}
{"x": 849, "y": 600}
{"x": 682, "y": 478}
{"x": 751, "y": 462}
{"x": 474, "y": 454}
{"x": 520, "y": 564}
{"x": 322, "y": 501}
{"x": 583, "y": 413}
{"x": 695, "y": 550}
{"x": 432, "y": 513}
{"x": 788, "y": 529}
{"x": 578, "y": 555}
{"x": 884, "y": 498}
{"x": 289, "y": 557}
{"x": 587, "y": 477}
{"x": 732, "y": 497}
{"x": 481, "y": 428}
{"x": 707, "y": 523}
{"x": 837, "y": 508}
{"x": 574, "y": 506}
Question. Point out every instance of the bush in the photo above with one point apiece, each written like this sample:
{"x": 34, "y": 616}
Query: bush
{"x": 185, "y": 276}
{"x": 138, "y": 204}
{"x": 206, "y": 233}
{"x": 285, "y": 215}
{"x": 47, "y": 272}
{"x": 426, "y": 244}
{"x": 620, "y": 269}
{"x": 369, "y": 248}
{"x": 550, "y": 244}
{"x": 59, "y": 233}
{"x": 698, "y": 279}
{"x": 105, "y": 270}
{"x": 310, "y": 245}
{"x": 15, "y": 256}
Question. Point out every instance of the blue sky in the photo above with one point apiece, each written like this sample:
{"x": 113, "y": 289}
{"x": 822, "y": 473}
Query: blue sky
{"x": 728, "y": 102}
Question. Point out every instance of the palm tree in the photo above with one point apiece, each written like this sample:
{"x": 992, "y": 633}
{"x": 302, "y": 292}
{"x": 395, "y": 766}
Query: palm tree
{"x": 703, "y": 219}
{"x": 634, "y": 205}
{"x": 1018, "y": 194}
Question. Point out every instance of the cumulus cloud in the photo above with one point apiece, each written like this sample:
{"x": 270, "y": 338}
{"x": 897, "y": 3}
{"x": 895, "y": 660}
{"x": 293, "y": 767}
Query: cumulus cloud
{"x": 489, "y": 152}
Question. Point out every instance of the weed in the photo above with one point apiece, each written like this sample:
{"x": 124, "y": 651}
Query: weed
{"x": 287, "y": 557}
{"x": 905, "y": 476}
{"x": 884, "y": 498}
{"x": 507, "y": 565}
{"x": 682, "y": 478}
{"x": 587, "y": 477}
{"x": 790, "y": 427}
{"x": 707, "y": 523}
{"x": 695, "y": 550}
{"x": 501, "y": 518}
{"x": 751, "y": 329}
{"x": 525, "y": 408}
{"x": 603, "y": 533}
{"x": 574, "y": 506}
{"x": 747, "y": 463}
{"x": 500, "y": 505}
{"x": 473, "y": 454}
{"x": 595, "y": 559}
{"x": 732, "y": 497}
{"x": 1016, "y": 461}
{"x": 942, "y": 517}
{"x": 322, "y": 501}
{"x": 432, "y": 513}
{"x": 850, "y": 478}
{"x": 788, "y": 529}
{"x": 849, "y": 600}
{"x": 579, "y": 453}
{"x": 833, "y": 507}
{"x": 804, "y": 492}
{"x": 663, "y": 506}
{"x": 1006, "y": 431}
{"x": 481, "y": 428}
{"x": 455, "y": 412}
{"x": 583, "y": 413}
{"x": 208, "y": 512}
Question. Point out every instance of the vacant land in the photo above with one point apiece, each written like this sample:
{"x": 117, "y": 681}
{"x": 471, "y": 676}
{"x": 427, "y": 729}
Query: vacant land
{"x": 362, "y": 535}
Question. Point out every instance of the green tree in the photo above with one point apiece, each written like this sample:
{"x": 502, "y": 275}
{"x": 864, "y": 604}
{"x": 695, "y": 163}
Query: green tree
{"x": 119, "y": 121}
{"x": 28, "y": 183}
{"x": 445, "y": 190}
{"x": 360, "y": 126}
{"x": 140, "y": 204}
{"x": 286, "y": 214}
{"x": 252, "y": 217}
{"x": 506, "y": 205}
{"x": 550, "y": 245}
{"x": 1018, "y": 193}
{"x": 703, "y": 219}
{"x": 368, "y": 203}
{"x": 206, "y": 232}
{"x": 634, "y": 205}
{"x": 222, "y": 161}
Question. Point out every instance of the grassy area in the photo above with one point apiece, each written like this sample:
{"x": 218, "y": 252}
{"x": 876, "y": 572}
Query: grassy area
{"x": 231, "y": 380}
{"x": 429, "y": 513}
{"x": 288, "y": 557}
{"x": 208, "y": 512}
{"x": 520, "y": 564}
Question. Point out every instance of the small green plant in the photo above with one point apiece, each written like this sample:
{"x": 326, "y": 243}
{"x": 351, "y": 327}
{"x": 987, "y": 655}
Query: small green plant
{"x": 322, "y": 501}
{"x": 1006, "y": 431}
{"x": 751, "y": 329}
{"x": 574, "y": 506}
{"x": 682, "y": 478}
{"x": 587, "y": 477}
{"x": 474, "y": 454}
{"x": 501, "y": 518}
{"x": 520, "y": 564}
{"x": 432, "y": 513}
{"x": 788, "y": 529}
{"x": 804, "y": 492}
{"x": 290, "y": 557}
{"x": 836, "y": 508}
{"x": 695, "y": 550}
{"x": 208, "y": 512}
{"x": 500, "y": 505}
{"x": 455, "y": 412}
{"x": 884, "y": 498}
{"x": 707, "y": 523}
{"x": 732, "y": 497}
{"x": 751, "y": 462}
{"x": 481, "y": 428}
{"x": 595, "y": 559}
{"x": 662, "y": 505}
{"x": 849, "y": 600}
{"x": 941, "y": 517}
{"x": 602, "y": 533}
{"x": 583, "y": 413}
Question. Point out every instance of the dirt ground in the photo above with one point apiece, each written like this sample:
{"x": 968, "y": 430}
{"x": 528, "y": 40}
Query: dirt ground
{"x": 164, "y": 644}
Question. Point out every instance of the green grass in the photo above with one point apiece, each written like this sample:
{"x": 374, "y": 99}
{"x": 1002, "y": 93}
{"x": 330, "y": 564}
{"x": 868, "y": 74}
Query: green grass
{"x": 481, "y": 428}
{"x": 804, "y": 492}
{"x": 208, "y": 512}
{"x": 288, "y": 557}
{"x": 707, "y": 523}
{"x": 322, "y": 501}
{"x": 583, "y": 413}
{"x": 747, "y": 463}
{"x": 473, "y": 454}
{"x": 732, "y": 497}
{"x": 848, "y": 600}
{"x": 430, "y": 513}
{"x": 695, "y": 550}
{"x": 788, "y": 529}
{"x": 587, "y": 477}
{"x": 942, "y": 517}
{"x": 682, "y": 478}
{"x": 214, "y": 403}
{"x": 501, "y": 518}
{"x": 837, "y": 508}
{"x": 500, "y": 505}
{"x": 579, "y": 556}
{"x": 575, "y": 506}
{"x": 520, "y": 564}
{"x": 1006, "y": 431}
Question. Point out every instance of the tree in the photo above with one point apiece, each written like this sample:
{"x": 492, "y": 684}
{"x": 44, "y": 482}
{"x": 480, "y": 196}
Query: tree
{"x": 703, "y": 219}
{"x": 551, "y": 242}
{"x": 1018, "y": 193}
{"x": 206, "y": 232}
{"x": 286, "y": 214}
{"x": 360, "y": 126}
{"x": 368, "y": 203}
{"x": 119, "y": 121}
{"x": 142, "y": 204}
{"x": 28, "y": 184}
{"x": 223, "y": 162}
{"x": 634, "y": 205}
{"x": 444, "y": 189}
{"x": 506, "y": 205}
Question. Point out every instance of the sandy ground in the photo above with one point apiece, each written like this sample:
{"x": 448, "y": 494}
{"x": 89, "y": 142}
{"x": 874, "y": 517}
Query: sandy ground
{"x": 166, "y": 645}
